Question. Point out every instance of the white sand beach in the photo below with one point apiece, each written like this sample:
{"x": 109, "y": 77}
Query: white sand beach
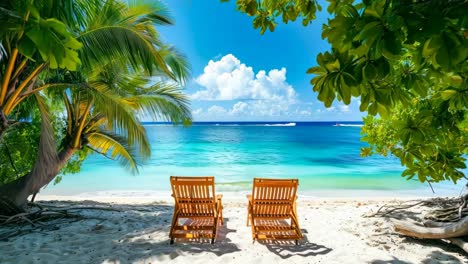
{"x": 334, "y": 232}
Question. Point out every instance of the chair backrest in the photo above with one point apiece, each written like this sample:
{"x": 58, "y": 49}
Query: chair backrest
{"x": 273, "y": 196}
{"x": 194, "y": 195}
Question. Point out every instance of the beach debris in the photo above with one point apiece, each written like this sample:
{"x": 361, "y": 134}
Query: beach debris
{"x": 449, "y": 230}
{"x": 47, "y": 216}
{"x": 444, "y": 218}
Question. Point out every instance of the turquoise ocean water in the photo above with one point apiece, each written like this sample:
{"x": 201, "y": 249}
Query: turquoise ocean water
{"x": 323, "y": 156}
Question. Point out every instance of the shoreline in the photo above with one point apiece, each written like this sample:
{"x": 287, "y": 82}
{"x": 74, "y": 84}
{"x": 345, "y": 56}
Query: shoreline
{"x": 148, "y": 196}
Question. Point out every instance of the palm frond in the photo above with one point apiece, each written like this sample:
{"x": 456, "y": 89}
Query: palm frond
{"x": 163, "y": 101}
{"x": 111, "y": 36}
{"x": 9, "y": 18}
{"x": 115, "y": 42}
{"x": 120, "y": 116}
{"x": 25, "y": 110}
{"x": 71, "y": 12}
{"x": 95, "y": 122}
{"x": 115, "y": 147}
{"x": 177, "y": 63}
{"x": 151, "y": 11}
{"x": 3, "y": 53}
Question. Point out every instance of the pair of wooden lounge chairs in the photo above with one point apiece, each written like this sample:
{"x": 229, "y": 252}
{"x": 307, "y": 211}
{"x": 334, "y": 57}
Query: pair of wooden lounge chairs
{"x": 271, "y": 204}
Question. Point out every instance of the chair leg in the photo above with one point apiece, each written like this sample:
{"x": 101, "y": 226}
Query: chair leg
{"x": 252, "y": 224}
{"x": 248, "y": 215}
{"x": 295, "y": 225}
{"x": 175, "y": 218}
{"x": 215, "y": 230}
{"x": 221, "y": 216}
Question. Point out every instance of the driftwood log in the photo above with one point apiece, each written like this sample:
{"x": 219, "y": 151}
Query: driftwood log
{"x": 449, "y": 230}
{"x": 460, "y": 243}
{"x": 449, "y": 224}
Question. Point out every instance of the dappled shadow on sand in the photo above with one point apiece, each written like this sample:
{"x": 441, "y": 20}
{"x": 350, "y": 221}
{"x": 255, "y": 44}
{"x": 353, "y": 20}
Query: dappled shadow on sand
{"x": 286, "y": 249}
{"x": 163, "y": 251}
{"x": 443, "y": 246}
{"x": 394, "y": 260}
{"x": 435, "y": 257}
{"x": 441, "y": 257}
{"x": 123, "y": 233}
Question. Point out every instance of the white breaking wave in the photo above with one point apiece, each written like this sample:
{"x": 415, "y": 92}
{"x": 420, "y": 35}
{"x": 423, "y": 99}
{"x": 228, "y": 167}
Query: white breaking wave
{"x": 288, "y": 124}
{"x": 349, "y": 125}
{"x": 221, "y": 124}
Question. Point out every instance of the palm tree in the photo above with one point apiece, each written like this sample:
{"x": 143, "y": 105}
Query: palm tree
{"x": 41, "y": 35}
{"x": 120, "y": 50}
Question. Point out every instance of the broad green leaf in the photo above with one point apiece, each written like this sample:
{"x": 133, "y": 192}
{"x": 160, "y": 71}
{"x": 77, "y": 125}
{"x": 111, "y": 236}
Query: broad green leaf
{"x": 448, "y": 94}
{"x": 333, "y": 66}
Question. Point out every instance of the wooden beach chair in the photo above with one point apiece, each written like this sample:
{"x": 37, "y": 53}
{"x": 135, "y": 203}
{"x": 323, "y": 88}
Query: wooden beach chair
{"x": 271, "y": 204}
{"x": 197, "y": 204}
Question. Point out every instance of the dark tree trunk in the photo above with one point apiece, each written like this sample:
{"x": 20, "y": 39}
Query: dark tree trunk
{"x": 20, "y": 189}
{"x": 3, "y": 122}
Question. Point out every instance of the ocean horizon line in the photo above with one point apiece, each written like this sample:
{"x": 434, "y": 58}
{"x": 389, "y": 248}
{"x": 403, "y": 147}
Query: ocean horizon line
{"x": 331, "y": 121}
{"x": 264, "y": 123}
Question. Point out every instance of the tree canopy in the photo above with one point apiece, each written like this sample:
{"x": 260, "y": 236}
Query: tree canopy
{"x": 405, "y": 60}
{"x": 76, "y": 76}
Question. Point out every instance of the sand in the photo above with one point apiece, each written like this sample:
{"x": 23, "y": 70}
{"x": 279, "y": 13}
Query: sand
{"x": 335, "y": 231}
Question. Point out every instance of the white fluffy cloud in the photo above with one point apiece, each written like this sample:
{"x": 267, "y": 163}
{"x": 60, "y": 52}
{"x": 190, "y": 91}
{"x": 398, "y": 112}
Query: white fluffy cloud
{"x": 251, "y": 109}
{"x": 216, "y": 110}
{"x": 250, "y": 95}
{"x": 340, "y": 108}
{"x": 229, "y": 79}
{"x": 197, "y": 111}
{"x": 344, "y": 108}
{"x": 239, "y": 108}
{"x": 261, "y": 108}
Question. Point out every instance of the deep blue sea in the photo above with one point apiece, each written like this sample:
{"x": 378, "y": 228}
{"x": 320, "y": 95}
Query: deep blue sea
{"x": 324, "y": 156}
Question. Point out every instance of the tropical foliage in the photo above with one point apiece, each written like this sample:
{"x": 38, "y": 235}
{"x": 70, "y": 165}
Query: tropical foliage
{"x": 406, "y": 61}
{"x": 105, "y": 67}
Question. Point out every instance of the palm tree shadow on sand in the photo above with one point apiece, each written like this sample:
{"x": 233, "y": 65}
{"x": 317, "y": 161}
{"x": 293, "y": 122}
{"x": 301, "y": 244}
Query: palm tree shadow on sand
{"x": 287, "y": 249}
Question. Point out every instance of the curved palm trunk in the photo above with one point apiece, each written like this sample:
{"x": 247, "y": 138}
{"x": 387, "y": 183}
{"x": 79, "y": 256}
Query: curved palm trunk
{"x": 19, "y": 190}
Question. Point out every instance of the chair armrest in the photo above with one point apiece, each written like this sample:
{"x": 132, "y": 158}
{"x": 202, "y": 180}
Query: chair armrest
{"x": 219, "y": 196}
{"x": 249, "y": 197}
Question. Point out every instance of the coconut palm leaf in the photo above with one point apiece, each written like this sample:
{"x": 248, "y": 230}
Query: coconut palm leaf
{"x": 120, "y": 115}
{"x": 177, "y": 63}
{"x": 162, "y": 101}
{"x": 158, "y": 15}
{"x": 115, "y": 30}
{"x": 115, "y": 147}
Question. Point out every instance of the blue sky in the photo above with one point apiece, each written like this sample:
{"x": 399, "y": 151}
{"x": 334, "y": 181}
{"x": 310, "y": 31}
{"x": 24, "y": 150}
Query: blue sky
{"x": 240, "y": 75}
